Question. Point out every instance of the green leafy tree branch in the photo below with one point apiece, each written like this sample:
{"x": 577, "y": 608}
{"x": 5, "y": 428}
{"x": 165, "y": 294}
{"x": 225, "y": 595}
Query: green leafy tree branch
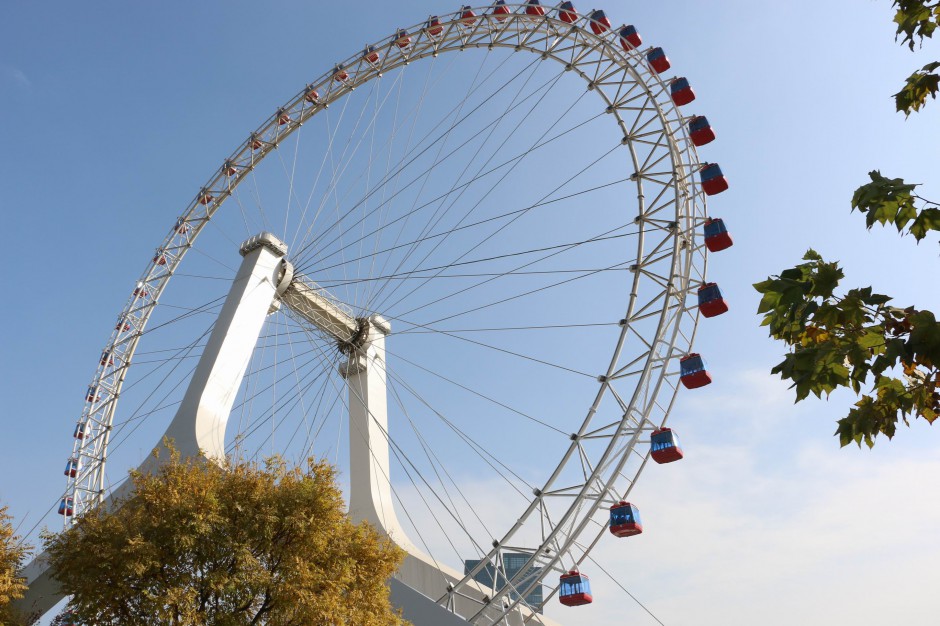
{"x": 888, "y": 356}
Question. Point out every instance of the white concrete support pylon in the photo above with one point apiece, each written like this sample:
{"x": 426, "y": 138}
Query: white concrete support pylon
{"x": 370, "y": 491}
{"x": 198, "y": 429}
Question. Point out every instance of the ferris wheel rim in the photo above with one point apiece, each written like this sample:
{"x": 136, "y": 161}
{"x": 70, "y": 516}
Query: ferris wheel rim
{"x": 169, "y": 257}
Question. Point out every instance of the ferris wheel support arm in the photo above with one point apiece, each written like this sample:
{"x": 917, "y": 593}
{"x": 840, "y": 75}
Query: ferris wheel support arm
{"x": 199, "y": 425}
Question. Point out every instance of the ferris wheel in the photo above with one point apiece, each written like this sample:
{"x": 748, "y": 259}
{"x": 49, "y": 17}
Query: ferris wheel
{"x": 465, "y": 264}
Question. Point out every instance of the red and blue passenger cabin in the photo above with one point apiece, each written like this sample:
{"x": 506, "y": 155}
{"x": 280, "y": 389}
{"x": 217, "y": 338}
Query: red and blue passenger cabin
{"x": 79, "y": 431}
{"x": 710, "y": 301}
{"x": 700, "y": 131}
{"x": 433, "y": 26}
{"x": 664, "y": 446}
{"x": 658, "y": 60}
{"x": 534, "y": 8}
{"x": 600, "y": 23}
{"x": 468, "y": 18}
{"x": 713, "y": 180}
{"x": 402, "y": 38}
{"x": 717, "y": 237}
{"x": 567, "y": 13}
{"x": 692, "y": 371}
{"x": 574, "y": 589}
{"x": 501, "y": 10}
{"x": 67, "y": 507}
{"x": 629, "y": 38}
{"x": 371, "y": 55}
{"x": 625, "y": 520}
{"x": 71, "y": 467}
{"x": 681, "y": 91}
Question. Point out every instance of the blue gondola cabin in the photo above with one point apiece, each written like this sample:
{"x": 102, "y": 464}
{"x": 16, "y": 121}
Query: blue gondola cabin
{"x": 710, "y": 302}
{"x": 700, "y": 131}
{"x": 71, "y": 467}
{"x": 664, "y": 446}
{"x": 600, "y": 23}
{"x": 681, "y": 91}
{"x": 79, "y": 431}
{"x": 717, "y": 237}
{"x": 567, "y": 13}
{"x": 93, "y": 394}
{"x": 625, "y": 520}
{"x": 713, "y": 181}
{"x": 692, "y": 371}
{"x": 629, "y": 38}
{"x": 66, "y": 507}
{"x": 658, "y": 60}
{"x": 574, "y": 589}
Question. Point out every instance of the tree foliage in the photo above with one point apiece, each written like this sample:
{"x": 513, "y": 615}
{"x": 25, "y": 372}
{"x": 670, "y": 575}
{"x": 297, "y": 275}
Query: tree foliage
{"x": 244, "y": 544}
{"x": 888, "y": 356}
{"x": 892, "y": 201}
{"x": 917, "y": 20}
{"x": 12, "y": 555}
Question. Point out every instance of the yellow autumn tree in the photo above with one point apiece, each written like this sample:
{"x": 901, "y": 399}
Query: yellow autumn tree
{"x": 227, "y": 546}
{"x": 12, "y": 554}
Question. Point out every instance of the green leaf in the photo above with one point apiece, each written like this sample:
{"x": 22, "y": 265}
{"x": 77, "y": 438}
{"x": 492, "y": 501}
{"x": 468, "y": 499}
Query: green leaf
{"x": 920, "y": 85}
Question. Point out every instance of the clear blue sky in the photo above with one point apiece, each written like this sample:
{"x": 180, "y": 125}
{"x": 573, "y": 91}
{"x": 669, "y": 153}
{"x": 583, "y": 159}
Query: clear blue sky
{"x": 112, "y": 116}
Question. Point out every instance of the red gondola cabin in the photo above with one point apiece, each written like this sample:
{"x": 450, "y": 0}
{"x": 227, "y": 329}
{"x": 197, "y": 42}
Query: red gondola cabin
{"x": 600, "y": 23}
{"x": 574, "y": 589}
{"x": 625, "y": 520}
{"x": 282, "y": 117}
{"x": 71, "y": 467}
{"x": 658, "y": 60}
{"x": 534, "y": 9}
{"x": 205, "y": 197}
{"x": 402, "y": 38}
{"x": 710, "y": 302}
{"x": 106, "y": 358}
{"x": 664, "y": 446}
{"x": 370, "y": 55}
{"x": 500, "y": 10}
{"x": 433, "y": 26}
{"x": 339, "y": 73}
{"x": 93, "y": 394}
{"x": 692, "y": 372}
{"x": 629, "y": 38}
{"x": 567, "y": 13}
{"x": 123, "y": 325}
{"x": 229, "y": 169}
{"x": 181, "y": 226}
{"x": 311, "y": 95}
{"x": 66, "y": 507}
{"x": 717, "y": 237}
{"x": 468, "y": 18}
{"x": 700, "y": 131}
{"x": 79, "y": 431}
{"x": 713, "y": 181}
{"x": 681, "y": 91}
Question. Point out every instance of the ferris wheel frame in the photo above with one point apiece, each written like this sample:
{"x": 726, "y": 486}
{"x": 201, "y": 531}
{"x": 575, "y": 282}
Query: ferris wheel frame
{"x": 669, "y": 256}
